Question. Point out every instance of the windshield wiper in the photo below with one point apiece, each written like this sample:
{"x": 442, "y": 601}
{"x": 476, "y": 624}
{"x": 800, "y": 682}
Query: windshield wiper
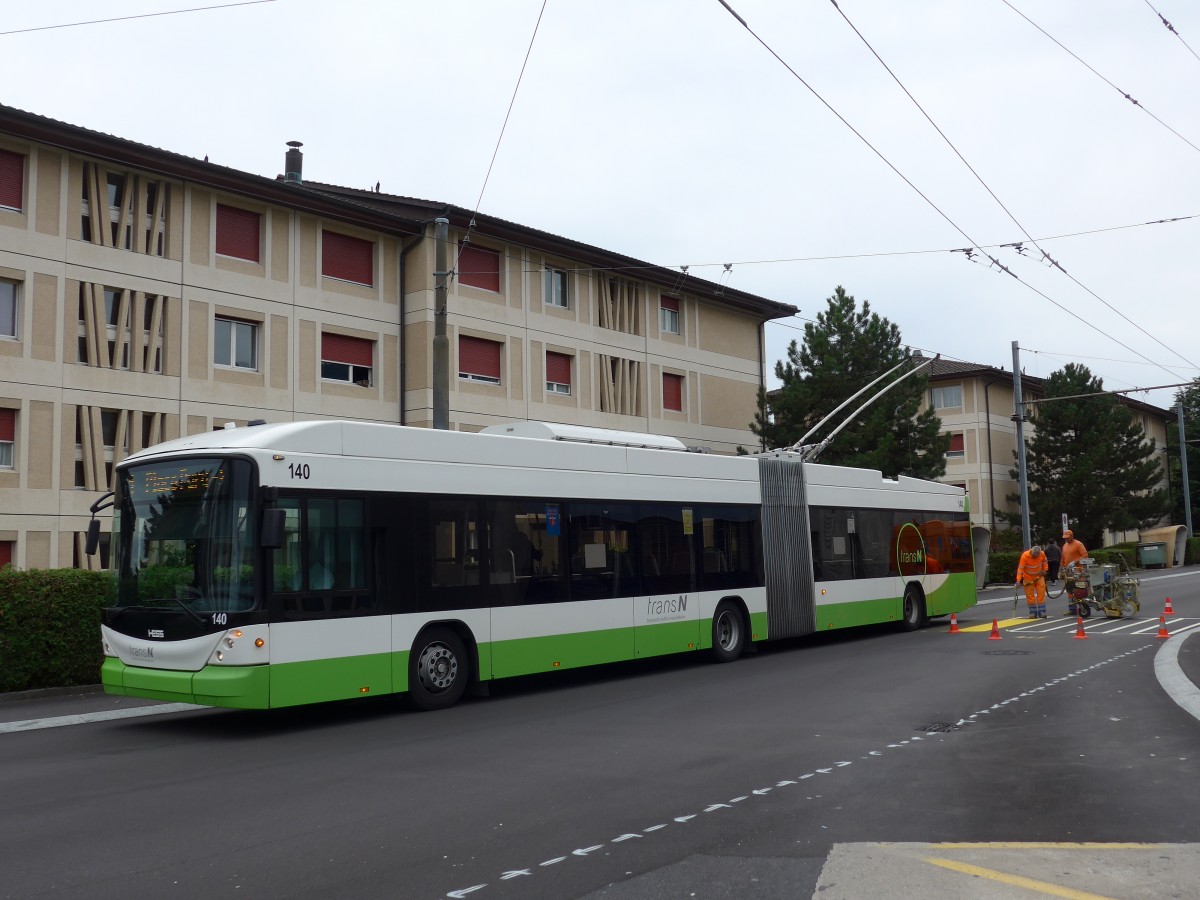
{"x": 192, "y": 614}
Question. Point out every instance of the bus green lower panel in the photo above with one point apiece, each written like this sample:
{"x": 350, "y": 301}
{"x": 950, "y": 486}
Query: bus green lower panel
{"x": 318, "y": 680}
{"x": 670, "y": 637}
{"x": 526, "y": 656}
{"x": 111, "y": 676}
{"x": 956, "y": 595}
{"x": 236, "y": 687}
{"x": 860, "y": 612}
{"x": 758, "y": 626}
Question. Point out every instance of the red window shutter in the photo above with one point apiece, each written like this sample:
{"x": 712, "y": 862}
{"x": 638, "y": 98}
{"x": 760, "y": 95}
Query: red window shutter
{"x": 351, "y": 350}
{"x": 479, "y": 267}
{"x": 347, "y": 258}
{"x": 8, "y": 424}
{"x": 957, "y": 444}
{"x": 558, "y": 368}
{"x": 12, "y": 179}
{"x": 6, "y": 551}
{"x": 478, "y": 357}
{"x": 671, "y": 303}
{"x": 237, "y": 232}
{"x": 672, "y": 392}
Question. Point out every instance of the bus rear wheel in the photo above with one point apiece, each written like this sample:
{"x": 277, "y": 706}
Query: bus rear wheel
{"x": 438, "y": 669}
{"x": 729, "y": 632}
{"x": 914, "y": 609}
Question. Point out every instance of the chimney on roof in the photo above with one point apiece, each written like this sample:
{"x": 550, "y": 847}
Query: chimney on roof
{"x": 293, "y": 164}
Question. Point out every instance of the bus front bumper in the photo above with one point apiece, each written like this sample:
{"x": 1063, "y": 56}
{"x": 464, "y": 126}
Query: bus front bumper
{"x": 236, "y": 687}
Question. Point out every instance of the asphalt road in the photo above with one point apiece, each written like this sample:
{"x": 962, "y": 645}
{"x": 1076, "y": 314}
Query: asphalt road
{"x": 840, "y": 764}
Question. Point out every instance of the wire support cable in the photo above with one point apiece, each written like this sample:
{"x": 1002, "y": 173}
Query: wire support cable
{"x": 1089, "y": 67}
{"x": 1171, "y": 28}
{"x": 1018, "y": 247}
{"x": 975, "y": 248}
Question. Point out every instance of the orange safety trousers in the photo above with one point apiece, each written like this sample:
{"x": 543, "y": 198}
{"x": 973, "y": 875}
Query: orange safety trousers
{"x": 1035, "y": 591}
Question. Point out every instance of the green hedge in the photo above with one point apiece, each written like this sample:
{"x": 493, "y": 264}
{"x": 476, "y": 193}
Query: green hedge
{"x": 50, "y": 627}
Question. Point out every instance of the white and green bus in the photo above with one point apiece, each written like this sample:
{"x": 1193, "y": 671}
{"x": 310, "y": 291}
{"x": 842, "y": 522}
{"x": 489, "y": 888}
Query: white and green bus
{"x": 274, "y": 565}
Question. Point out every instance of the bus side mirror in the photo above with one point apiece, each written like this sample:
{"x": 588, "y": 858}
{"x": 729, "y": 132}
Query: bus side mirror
{"x": 272, "y": 529}
{"x": 93, "y": 537}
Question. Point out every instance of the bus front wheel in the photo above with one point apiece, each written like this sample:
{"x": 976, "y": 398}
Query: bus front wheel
{"x": 438, "y": 669}
{"x": 914, "y": 609}
{"x": 729, "y": 632}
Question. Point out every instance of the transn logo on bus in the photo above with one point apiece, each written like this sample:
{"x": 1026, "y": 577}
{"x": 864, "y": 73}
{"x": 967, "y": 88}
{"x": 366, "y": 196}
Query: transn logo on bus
{"x": 141, "y": 652}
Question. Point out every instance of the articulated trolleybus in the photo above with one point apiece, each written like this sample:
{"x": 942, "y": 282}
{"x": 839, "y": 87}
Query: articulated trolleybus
{"x": 273, "y": 565}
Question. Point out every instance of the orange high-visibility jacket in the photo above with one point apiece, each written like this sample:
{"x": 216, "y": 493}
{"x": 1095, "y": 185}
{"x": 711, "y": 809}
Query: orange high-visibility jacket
{"x": 1072, "y": 551}
{"x": 1031, "y": 569}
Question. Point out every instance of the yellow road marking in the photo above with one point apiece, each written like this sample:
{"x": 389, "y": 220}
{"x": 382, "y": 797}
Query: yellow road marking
{"x": 1003, "y": 623}
{"x": 1042, "y": 887}
{"x": 1044, "y": 845}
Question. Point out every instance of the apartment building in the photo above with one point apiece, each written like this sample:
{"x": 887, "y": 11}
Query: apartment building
{"x": 976, "y": 405}
{"x": 146, "y": 295}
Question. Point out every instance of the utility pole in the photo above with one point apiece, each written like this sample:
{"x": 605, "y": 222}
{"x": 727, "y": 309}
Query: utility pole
{"x": 441, "y": 343}
{"x": 1187, "y": 488}
{"x": 1019, "y": 418}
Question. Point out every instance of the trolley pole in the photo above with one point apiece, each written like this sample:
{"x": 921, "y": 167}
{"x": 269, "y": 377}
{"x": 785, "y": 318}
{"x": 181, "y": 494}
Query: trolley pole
{"x": 1019, "y": 418}
{"x": 441, "y": 343}
{"x": 1187, "y": 487}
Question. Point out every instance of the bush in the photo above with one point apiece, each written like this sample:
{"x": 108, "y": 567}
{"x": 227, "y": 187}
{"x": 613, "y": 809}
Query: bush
{"x": 50, "y": 627}
{"x": 1191, "y": 553}
{"x": 1002, "y": 566}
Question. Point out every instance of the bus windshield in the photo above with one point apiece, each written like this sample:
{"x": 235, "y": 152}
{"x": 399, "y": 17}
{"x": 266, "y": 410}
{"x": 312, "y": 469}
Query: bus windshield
{"x": 184, "y": 536}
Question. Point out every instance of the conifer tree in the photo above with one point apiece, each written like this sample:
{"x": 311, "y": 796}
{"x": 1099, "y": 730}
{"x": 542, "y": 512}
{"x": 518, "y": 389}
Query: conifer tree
{"x": 1088, "y": 458}
{"x": 843, "y": 351}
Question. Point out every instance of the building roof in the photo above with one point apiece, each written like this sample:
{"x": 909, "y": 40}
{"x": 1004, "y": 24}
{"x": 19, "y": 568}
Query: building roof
{"x": 387, "y": 213}
{"x": 952, "y": 370}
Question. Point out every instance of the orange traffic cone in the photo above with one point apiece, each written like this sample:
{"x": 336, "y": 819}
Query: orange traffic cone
{"x": 1080, "y": 634}
{"x": 954, "y": 629}
{"x": 995, "y": 635}
{"x": 1162, "y": 627}
{"x": 1168, "y": 611}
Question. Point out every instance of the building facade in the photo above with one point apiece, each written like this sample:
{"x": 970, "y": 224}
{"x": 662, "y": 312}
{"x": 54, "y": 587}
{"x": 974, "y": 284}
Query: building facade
{"x": 977, "y": 408}
{"x": 146, "y": 295}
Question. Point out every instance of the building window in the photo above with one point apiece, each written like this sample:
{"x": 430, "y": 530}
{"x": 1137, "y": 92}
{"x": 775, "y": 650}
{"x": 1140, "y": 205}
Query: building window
{"x": 958, "y": 449}
{"x": 113, "y": 214}
{"x": 8, "y": 437}
{"x": 668, "y": 314}
{"x": 238, "y": 232}
{"x": 8, "y": 309}
{"x": 235, "y": 344}
{"x": 479, "y": 359}
{"x": 558, "y": 373}
{"x": 12, "y": 180}
{"x": 347, "y": 359}
{"x": 479, "y": 267}
{"x": 556, "y": 289}
{"x": 947, "y": 397}
{"x": 6, "y": 553}
{"x": 347, "y": 258}
{"x": 672, "y": 387}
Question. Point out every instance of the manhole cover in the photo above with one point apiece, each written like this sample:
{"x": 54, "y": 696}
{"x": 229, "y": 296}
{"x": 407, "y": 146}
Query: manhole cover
{"x": 934, "y": 727}
{"x": 1007, "y": 652}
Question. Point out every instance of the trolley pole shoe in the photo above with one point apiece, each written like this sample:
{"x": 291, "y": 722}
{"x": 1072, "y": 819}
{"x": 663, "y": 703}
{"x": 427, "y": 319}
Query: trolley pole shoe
{"x": 954, "y": 629}
{"x": 995, "y": 635}
{"x": 1162, "y": 627}
{"x": 1080, "y": 634}
{"x": 1168, "y": 611}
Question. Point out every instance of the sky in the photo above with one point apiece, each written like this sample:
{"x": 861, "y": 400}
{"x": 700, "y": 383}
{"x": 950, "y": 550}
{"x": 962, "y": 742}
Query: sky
{"x": 668, "y": 131}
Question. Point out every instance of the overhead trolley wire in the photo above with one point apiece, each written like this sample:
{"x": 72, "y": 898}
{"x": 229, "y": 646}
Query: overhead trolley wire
{"x": 1045, "y": 256}
{"x": 968, "y": 252}
{"x": 169, "y": 12}
{"x": 1101, "y": 77}
{"x": 1171, "y": 28}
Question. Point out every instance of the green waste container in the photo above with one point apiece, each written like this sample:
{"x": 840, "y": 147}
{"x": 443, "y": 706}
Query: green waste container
{"x": 1152, "y": 554}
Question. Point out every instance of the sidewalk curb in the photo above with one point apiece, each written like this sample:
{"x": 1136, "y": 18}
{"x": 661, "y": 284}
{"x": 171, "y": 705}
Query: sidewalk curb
{"x": 39, "y": 693}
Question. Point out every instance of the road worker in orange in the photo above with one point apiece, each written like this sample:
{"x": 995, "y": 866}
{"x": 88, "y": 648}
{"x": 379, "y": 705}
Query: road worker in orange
{"x": 1031, "y": 572}
{"x": 1071, "y": 565}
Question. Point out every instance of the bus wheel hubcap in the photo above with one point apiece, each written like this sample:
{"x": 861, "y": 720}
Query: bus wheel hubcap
{"x": 727, "y": 632}
{"x": 438, "y": 667}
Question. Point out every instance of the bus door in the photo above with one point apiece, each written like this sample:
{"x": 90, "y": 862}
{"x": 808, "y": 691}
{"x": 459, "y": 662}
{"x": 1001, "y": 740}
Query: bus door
{"x": 667, "y": 612}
